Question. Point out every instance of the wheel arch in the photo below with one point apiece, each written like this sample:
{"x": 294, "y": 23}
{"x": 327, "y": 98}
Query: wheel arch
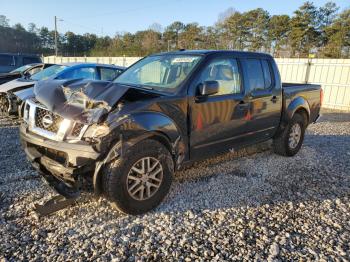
{"x": 302, "y": 111}
{"x": 142, "y": 126}
{"x": 298, "y": 105}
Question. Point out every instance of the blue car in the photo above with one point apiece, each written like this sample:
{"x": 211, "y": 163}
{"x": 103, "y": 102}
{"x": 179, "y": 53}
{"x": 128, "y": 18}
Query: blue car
{"x": 14, "y": 92}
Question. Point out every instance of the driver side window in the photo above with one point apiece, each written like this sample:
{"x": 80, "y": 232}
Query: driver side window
{"x": 226, "y": 72}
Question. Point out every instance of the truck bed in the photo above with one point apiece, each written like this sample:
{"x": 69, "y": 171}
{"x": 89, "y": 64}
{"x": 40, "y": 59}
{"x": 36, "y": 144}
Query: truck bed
{"x": 300, "y": 85}
{"x": 310, "y": 92}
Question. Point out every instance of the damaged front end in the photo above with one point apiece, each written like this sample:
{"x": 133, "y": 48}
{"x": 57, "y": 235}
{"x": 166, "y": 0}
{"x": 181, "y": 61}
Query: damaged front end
{"x": 61, "y": 131}
{"x": 81, "y": 100}
{"x": 72, "y": 129}
{"x": 67, "y": 133}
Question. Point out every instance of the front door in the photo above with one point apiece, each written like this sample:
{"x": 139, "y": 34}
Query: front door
{"x": 218, "y": 120}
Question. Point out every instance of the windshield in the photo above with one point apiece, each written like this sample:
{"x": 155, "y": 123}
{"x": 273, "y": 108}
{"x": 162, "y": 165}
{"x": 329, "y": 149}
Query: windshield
{"x": 21, "y": 69}
{"x": 46, "y": 73}
{"x": 163, "y": 73}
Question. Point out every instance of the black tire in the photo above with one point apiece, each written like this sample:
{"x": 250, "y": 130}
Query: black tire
{"x": 115, "y": 177}
{"x": 281, "y": 143}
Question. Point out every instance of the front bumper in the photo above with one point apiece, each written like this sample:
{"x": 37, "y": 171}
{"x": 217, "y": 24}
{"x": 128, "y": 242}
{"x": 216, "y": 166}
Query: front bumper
{"x": 63, "y": 160}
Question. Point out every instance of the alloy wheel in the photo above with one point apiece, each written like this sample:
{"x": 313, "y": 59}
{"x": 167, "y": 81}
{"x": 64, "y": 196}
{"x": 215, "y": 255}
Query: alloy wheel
{"x": 294, "y": 136}
{"x": 144, "y": 178}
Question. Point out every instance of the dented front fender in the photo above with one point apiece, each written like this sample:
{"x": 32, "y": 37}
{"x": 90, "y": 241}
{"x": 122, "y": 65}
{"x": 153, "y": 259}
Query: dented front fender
{"x": 138, "y": 127}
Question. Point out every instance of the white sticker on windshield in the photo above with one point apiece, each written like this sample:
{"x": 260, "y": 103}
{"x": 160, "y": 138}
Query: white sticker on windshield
{"x": 184, "y": 59}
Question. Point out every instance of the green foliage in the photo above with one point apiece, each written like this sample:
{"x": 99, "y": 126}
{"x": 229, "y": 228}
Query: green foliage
{"x": 4, "y": 21}
{"x": 319, "y": 30}
{"x": 234, "y": 32}
{"x": 17, "y": 39}
{"x": 338, "y": 37}
{"x": 279, "y": 29}
{"x": 304, "y": 35}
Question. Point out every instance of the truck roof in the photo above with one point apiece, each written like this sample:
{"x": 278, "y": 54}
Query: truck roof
{"x": 82, "y": 64}
{"x": 207, "y": 52}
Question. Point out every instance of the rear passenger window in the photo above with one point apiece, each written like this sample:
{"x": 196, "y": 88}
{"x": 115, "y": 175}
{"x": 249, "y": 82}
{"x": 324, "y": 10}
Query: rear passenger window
{"x": 259, "y": 74}
{"x": 267, "y": 73}
{"x": 255, "y": 75}
{"x": 7, "y": 60}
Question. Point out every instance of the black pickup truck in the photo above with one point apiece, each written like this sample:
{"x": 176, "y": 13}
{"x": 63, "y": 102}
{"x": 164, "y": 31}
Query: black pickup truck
{"x": 127, "y": 138}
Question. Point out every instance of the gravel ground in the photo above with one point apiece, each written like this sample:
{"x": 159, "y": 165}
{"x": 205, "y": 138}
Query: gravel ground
{"x": 247, "y": 205}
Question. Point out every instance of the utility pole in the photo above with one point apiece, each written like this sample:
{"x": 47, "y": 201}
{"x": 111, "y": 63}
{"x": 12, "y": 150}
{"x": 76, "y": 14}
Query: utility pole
{"x": 56, "y": 48}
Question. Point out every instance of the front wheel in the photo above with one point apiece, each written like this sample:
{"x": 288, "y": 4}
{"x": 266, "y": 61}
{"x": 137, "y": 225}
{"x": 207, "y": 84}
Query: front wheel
{"x": 138, "y": 181}
{"x": 290, "y": 140}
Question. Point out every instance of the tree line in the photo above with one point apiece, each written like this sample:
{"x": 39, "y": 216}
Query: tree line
{"x": 319, "y": 31}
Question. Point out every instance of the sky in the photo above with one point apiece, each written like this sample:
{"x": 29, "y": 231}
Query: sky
{"x": 106, "y": 17}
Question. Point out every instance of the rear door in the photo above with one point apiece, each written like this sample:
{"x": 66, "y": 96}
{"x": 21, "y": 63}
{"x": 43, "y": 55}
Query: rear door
{"x": 217, "y": 121}
{"x": 264, "y": 92}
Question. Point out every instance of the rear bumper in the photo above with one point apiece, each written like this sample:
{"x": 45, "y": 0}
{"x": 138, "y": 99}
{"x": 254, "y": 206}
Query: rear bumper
{"x": 65, "y": 161}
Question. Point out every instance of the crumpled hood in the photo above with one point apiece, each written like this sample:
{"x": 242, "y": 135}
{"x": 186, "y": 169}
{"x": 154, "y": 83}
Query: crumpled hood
{"x": 16, "y": 84}
{"x": 25, "y": 93}
{"x": 84, "y": 101}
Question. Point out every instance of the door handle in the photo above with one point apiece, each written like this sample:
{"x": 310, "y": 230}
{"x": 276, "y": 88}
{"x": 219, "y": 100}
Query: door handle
{"x": 274, "y": 99}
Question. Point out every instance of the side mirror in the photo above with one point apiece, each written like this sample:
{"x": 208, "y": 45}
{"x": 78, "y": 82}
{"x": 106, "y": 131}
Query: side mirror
{"x": 208, "y": 88}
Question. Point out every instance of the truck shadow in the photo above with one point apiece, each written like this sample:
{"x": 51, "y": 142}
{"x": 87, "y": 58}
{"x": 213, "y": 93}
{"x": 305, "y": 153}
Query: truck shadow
{"x": 318, "y": 172}
{"x": 334, "y": 116}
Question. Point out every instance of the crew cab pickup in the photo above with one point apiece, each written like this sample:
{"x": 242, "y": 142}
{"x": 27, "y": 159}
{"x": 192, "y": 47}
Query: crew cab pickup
{"x": 127, "y": 138}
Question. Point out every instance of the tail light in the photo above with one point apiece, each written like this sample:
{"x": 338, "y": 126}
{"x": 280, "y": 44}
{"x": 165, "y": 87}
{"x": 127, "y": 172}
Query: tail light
{"x": 321, "y": 97}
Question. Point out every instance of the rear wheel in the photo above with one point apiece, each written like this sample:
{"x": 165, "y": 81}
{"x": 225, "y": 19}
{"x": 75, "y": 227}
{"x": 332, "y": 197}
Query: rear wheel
{"x": 290, "y": 140}
{"x": 138, "y": 182}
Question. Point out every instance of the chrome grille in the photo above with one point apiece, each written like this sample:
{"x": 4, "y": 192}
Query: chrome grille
{"x": 41, "y": 113}
{"x": 77, "y": 129}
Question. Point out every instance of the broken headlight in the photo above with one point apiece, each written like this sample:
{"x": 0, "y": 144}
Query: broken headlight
{"x": 94, "y": 131}
{"x": 26, "y": 112}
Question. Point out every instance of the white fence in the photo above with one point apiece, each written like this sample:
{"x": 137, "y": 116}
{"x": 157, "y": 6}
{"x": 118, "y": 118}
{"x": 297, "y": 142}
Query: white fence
{"x": 120, "y": 61}
{"x": 332, "y": 74}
